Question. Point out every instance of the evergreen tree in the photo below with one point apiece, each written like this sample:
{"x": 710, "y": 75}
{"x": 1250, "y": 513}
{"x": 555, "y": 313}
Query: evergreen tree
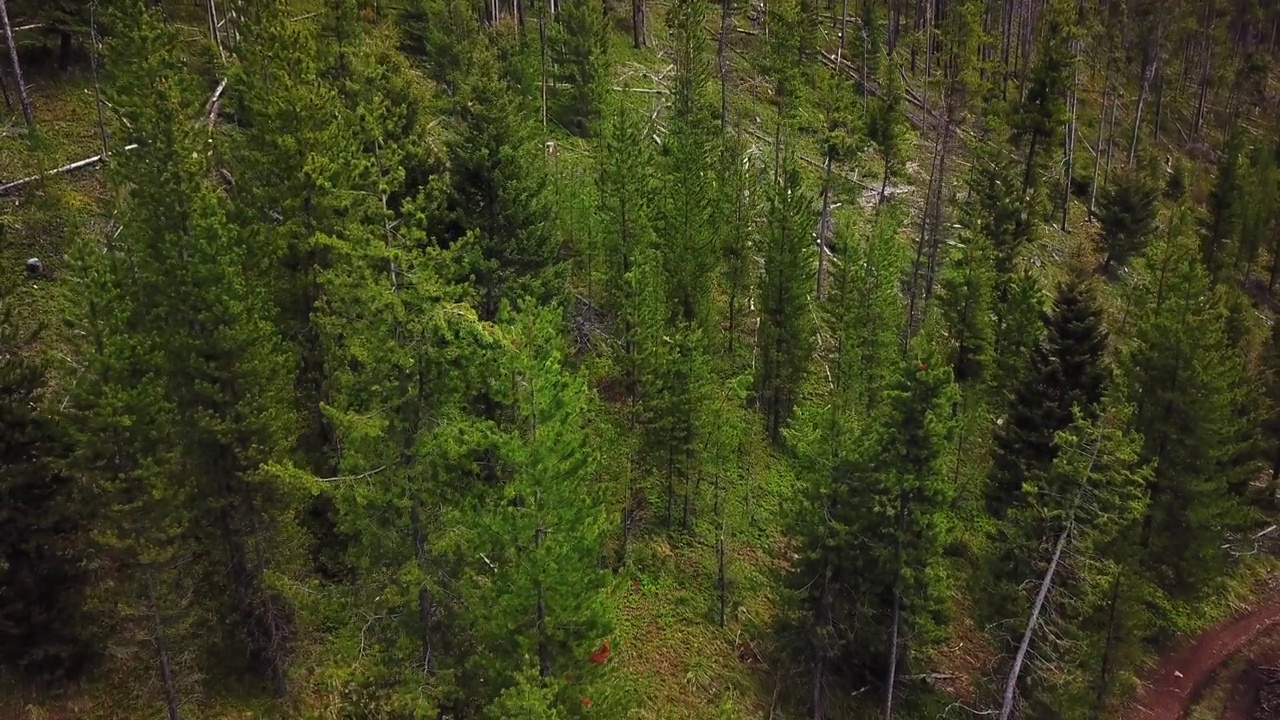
{"x": 870, "y": 589}
{"x": 1127, "y": 214}
{"x": 1226, "y": 205}
{"x": 496, "y": 206}
{"x": 544, "y": 534}
{"x": 1067, "y": 372}
{"x": 43, "y": 631}
{"x": 1179, "y": 373}
{"x": 188, "y": 334}
{"x": 582, "y": 62}
{"x": 786, "y": 325}
{"x": 1042, "y": 112}
{"x": 966, "y": 309}
{"x": 734, "y": 216}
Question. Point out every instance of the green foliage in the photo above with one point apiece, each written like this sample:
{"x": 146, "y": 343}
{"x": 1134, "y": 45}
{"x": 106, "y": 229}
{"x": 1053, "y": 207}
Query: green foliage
{"x": 543, "y": 592}
{"x": 966, "y": 304}
{"x": 786, "y": 324}
{"x": 1042, "y": 112}
{"x": 496, "y": 208}
{"x": 1127, "y": 213}
{"x": 1226, "y": 205}
{"x": 43, "y": 624}
{"x": 1180, "y": 375}
{"x": 582, "y": 61}
{"x": 1067, "y": 374}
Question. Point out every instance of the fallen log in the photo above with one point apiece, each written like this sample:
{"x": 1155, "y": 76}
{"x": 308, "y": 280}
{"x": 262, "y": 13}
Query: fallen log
{"x": 12, "y": 187}
{"x": 206, "y": 117}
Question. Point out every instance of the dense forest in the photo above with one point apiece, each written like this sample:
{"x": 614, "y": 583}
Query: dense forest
{"x": 647, "y": 358}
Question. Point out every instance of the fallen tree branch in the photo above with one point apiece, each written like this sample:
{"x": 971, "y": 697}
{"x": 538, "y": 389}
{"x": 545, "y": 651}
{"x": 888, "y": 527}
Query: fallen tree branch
{"x": 11, "y": 187}
{"x": 210, "y": 109}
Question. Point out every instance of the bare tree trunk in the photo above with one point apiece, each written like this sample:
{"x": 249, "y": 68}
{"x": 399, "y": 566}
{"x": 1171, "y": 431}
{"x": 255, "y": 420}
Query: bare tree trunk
{"x": 1011, "y": 685}
{"x": 162, "y": 651}
{"x": 544, "y": 649}
{"x": 215, "y": 34}
{"x": 722, "y": 64}
{"x": 1206, "y": 65}
{"x": 4, "y": 90}
{"x": 27, "y": 114}
{"x": 1111, "y": 138}
{"x": 722, "y": 580}
{"x": 825, "y": 223}
{"x": 542, "y": 67}
{"x": 93, "y": 64}
{"x": 891, "y": 681}
{"x": 637, "y": 24}
{"x": 1104, "y": 674}
{"x": 425, "y": 609}
{"x": 1148, "y": 68}
{"x": 1069, "y": 138}
{"x": 1097, "y": 153}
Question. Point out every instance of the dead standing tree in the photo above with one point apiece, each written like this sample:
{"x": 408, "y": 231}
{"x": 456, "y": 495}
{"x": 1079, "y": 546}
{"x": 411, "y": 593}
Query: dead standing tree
{"x": 23, "y": 96}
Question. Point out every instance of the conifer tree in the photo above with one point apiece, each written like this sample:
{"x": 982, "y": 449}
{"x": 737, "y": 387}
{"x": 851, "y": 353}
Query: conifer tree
{"x": 582, "y": 62}
{"x": 734, "y": 216}
{"x": 1179, "y": 373}
{"x": 1226, "y": 205}
{"x": 496, "y": 207}
{"x": 688, "y": 151}
{"x": 188, "y": 333}
{"x": 865, "y": 307}
{"x": 1067, "y": 372}
{"x": 966, "y": 306}
{"x": 42, "y": 586}
{"x": 786, "y": 326}
{"x": 870, "y": 589}
{"x": 544, "y": 534}
{"x": 1127, "y": 213}
{"x": 1042, "y": 111}
{"x": 1067, "y": 523}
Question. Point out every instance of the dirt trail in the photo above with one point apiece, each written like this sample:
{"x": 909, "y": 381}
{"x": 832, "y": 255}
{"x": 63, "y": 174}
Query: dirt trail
{"x": 1172, "y": 686}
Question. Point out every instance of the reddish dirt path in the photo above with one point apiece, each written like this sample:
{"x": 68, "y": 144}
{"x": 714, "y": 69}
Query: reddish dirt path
{"x": 1173, "y": 685}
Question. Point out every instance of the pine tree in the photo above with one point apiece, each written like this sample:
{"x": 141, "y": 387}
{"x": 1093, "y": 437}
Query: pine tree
{"x": 202, "y": 350}
{"x": 734, "y": 216}
{"x": 1179, "y": 374}
{"x": 43, "y": 632}
{"x": 582, "y": 62}
{"x": 497, "y": 203}
{"x": 1067, "y": 372}
{"x": 1064, "y": 531}
{"x": 689, "y": 172}
{"x": 1042, "y": 112}
{"x": 544, "y": 533}
{"x": 1127, "y": 214}
{"x": 870, "y": 592}
{"x": 786, "y": 326}
{"x": 865, "y": 308}
{"x": 1226, "y": 208}
{"x": 966, "y": 302}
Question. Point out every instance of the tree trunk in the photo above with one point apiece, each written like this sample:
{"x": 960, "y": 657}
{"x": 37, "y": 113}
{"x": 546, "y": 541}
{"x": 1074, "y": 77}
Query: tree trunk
{"x": 64, "y": 50}
{"x": 425, "y": 609}
{"x": 27, "y": 114}
{"x": 544, "y": 648}
{"x": 1111, "y": 138}
{"x": 93, "y": 65}
{"x": 896, "y": 621}
{"x": 722, "y": 64}
{"x": 1148, "y": 68}
{"x": 162, "y": 652}
{"x": 637, "y": 24}
{"x": 1011, "y": 685}
{"x": 722, "y": 581}
{"x": 1104, "y": 674}
{"x": 1069, "y": 137}
{"x": 1097, "y": 153}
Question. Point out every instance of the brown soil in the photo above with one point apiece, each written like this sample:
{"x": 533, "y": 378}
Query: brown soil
{"x": 1175, "y": 683}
